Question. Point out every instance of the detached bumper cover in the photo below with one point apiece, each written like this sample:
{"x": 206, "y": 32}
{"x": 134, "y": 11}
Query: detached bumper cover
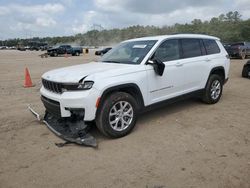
{"x": 71, "y": 130}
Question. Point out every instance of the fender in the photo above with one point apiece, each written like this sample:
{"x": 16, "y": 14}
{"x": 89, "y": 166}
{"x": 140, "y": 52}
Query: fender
{"x": 218, "y": 70}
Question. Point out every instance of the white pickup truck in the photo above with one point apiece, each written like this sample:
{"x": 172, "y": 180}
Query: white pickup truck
{"x": 134, "y": 75}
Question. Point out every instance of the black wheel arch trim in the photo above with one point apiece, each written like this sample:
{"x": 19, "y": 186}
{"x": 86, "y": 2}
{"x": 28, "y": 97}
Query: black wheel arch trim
{"x": 125, "y": 88}
{"x": 219, "y": 68}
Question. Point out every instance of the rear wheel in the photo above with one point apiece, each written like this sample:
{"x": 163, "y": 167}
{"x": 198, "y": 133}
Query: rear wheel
{"x": 213, "y": 90}
{"x": 117, "y": 115}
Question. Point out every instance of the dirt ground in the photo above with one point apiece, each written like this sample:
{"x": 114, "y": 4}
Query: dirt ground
{"x": 186, "y": 144}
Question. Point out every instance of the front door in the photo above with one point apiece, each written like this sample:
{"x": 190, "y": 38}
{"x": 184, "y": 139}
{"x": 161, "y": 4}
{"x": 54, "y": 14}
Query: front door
{"x": 169, "y": 84}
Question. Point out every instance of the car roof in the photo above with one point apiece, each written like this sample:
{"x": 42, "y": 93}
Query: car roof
{"x": 163, "y": 37}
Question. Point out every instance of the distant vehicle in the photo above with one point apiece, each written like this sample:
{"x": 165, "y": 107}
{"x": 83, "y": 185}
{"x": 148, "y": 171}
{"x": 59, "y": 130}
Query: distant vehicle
{"x": 21, "y": 48}
{"x": 226, "y": 45}
{"x": 46, "y": 47}
{"x": 3, "y": 47}
{"x": 246, "y": 70}
{"x": 34, "y": 48}
{"x": 36, "y": 45}
{"x": 13, "y": 48}
{"x": 27, "y": 47}
{"x": 65, "y": 49}
{"x": 239, "y": 50}
{"x": 103, "y": 51}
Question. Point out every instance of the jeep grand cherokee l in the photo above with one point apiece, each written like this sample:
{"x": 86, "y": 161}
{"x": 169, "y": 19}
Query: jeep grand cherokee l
{"x": 134, "y": 75}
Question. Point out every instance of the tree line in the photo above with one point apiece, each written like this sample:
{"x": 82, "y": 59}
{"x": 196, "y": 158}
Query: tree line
{"x": 229, "y": 27}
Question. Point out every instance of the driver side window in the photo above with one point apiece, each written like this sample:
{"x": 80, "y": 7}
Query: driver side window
{"x": 168, "y": 50}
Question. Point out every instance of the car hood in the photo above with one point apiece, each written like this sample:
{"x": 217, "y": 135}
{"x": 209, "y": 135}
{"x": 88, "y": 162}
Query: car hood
{"x": 75, "y": 73}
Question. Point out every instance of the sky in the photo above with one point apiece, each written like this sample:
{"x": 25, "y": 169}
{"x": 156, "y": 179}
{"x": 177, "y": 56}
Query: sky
{"x": 41, "y": 18}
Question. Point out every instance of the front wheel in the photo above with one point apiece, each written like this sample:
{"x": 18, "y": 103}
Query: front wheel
{"x": 117, "y": 115}
{"x": 213, "y": 90}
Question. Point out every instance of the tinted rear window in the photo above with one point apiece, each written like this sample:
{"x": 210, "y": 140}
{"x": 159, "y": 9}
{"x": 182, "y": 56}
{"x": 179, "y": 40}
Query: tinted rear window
{"x": 211, "y": 46}
{"x": 191, "y": 48}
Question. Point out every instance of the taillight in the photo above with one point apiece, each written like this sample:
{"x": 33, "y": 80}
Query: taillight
{"x": 227, "y": 56}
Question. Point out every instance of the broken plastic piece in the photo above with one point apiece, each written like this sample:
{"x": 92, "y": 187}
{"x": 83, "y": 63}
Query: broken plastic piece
{"x": 72, "y": 130}
{"x": 35, "y": 113}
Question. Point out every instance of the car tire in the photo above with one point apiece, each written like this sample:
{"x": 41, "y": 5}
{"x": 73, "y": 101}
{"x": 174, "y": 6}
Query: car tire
{"x": 55, "y": 54}
{"x": 246, "y": 72}
{"x": 77, "y": 53}
{"x": 117, "y": 115}
{"x": 243, "y": 55}
{"x": 213, "y": 90}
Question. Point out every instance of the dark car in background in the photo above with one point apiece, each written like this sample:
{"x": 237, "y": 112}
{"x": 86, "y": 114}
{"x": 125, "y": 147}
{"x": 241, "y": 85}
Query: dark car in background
{"x": 103, "y": 51}
{"x": 65, "y": 49}
{"x": 246, "y": 70}
{"x": 238, "y": 50}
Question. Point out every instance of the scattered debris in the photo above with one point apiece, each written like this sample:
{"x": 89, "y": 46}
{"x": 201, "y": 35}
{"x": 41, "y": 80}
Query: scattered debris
{"x": 45, "y": 55}
{"x": 71, "y": 130}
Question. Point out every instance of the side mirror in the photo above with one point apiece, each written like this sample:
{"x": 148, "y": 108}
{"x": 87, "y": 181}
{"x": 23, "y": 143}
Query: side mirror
{"x": 158, "y": 65}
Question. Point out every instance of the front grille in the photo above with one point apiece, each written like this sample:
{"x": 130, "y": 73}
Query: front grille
{"x": 52, "y": 86}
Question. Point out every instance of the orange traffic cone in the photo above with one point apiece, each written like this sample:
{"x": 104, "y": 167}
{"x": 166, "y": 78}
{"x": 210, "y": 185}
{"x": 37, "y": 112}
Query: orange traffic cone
{"x": 27, "y": 81}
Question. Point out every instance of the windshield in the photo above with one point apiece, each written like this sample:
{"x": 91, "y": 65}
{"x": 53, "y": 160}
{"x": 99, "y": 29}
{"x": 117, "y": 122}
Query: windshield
{"x": 129, "y": 52}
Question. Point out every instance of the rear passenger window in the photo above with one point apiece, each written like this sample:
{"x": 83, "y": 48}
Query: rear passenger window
{"x": 211, "y": 46}
{"x": 191, "y": 48}
{"x": 168, "y": 50}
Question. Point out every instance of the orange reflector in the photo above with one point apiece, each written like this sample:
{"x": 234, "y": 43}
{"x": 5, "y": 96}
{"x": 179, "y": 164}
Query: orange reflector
{"x": 97, "y": 102}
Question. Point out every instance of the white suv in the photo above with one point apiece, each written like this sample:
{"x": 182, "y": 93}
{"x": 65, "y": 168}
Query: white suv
{"x": 136, "y": 74}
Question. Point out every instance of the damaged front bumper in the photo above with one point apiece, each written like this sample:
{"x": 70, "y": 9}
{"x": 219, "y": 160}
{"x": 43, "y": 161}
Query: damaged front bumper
{"x": 72, "y": 130}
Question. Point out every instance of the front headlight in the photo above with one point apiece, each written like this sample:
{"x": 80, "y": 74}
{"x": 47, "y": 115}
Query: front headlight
{"x": 82, "y": 85}
{"x": 85, "y": 85}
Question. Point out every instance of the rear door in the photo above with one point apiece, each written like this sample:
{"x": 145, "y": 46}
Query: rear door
{"x": 195, "y": 64}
